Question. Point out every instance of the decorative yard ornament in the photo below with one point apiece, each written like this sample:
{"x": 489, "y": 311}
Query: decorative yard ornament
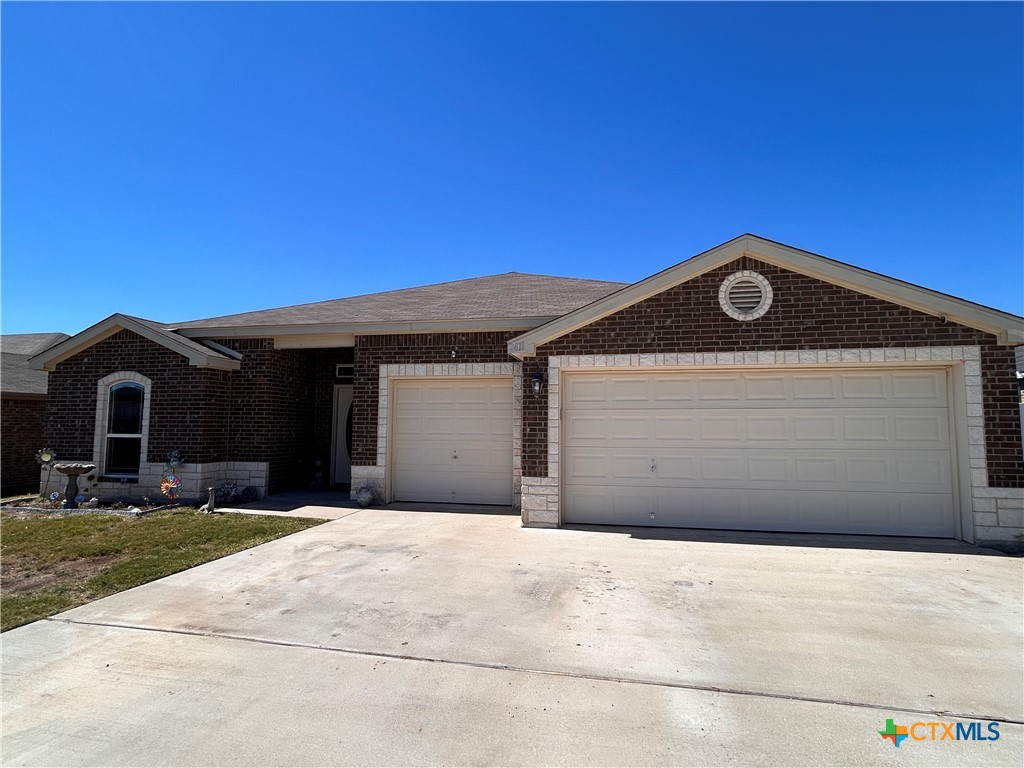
{"x": 73, "y": 470}
{"x": 46, "y": 457}
{"x": 208, "y": 508}
{"x": 171, "y": 482}
{"x": 169, "y": 486}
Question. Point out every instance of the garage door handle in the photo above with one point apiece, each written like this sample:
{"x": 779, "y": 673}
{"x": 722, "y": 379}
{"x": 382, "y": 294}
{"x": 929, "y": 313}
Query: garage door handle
{"x": 654, "y": 465}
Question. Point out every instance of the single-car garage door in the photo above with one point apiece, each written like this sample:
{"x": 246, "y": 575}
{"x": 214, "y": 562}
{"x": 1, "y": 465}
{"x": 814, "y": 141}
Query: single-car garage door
{"x": 841, "y": 451}
{"x": 453, "y": 440}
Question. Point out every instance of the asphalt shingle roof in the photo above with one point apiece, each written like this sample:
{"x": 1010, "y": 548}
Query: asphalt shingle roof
{"x": 511, "y": 295}
{"x": 15, "y": 350}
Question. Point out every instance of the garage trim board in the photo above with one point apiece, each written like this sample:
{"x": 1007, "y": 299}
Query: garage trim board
{"x": 949, "y": 475}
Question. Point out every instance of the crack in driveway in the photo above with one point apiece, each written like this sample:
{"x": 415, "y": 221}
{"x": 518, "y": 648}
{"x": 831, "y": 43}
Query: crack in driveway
{"x": 554, "y": 673}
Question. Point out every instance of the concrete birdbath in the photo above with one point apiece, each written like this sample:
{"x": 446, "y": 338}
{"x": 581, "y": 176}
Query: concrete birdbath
{"x": 72, "y": 471}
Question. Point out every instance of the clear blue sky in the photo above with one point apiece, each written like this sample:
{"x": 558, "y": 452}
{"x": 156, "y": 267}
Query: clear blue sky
{"x": 178, "y": 161}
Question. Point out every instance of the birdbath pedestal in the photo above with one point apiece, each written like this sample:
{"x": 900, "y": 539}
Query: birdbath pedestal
{"x": 72, "y": 471}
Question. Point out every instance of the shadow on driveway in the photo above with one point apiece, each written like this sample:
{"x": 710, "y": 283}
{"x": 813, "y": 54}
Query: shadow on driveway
{"x": 819, "y": 540}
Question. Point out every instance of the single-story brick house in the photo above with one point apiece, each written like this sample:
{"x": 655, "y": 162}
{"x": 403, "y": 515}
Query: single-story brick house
{"x": 754, "y": 386}
{"x": 22, "y": 409}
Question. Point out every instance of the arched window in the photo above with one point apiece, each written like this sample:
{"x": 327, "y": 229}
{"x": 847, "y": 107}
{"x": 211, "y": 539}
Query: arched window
{"x": 124, "y": 429}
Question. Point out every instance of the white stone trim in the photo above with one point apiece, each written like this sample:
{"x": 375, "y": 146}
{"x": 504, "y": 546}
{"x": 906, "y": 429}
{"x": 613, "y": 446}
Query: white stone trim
{"x": 996, "y": 512}
{"x": 195, "y": 479}
{"x": 103, "y": 387}
{"x": 745, "y": 275}
{"x": 376, "y": 476}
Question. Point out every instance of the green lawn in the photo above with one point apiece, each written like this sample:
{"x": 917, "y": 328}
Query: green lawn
{"x": 50, "y": 563}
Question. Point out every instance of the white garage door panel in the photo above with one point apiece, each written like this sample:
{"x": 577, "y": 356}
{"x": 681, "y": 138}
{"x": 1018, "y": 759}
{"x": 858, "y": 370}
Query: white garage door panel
{"x": 781, "y": 510}
{"x": 853, "y": 451}
{"x": 925, "y": 428}
{"x": 888, "y": 471}
{"x": 452, "y": 441}
{"x": 791, "y": 389}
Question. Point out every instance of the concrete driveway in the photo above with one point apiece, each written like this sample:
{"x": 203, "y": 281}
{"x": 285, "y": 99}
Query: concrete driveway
{"x": 412, "y": 638}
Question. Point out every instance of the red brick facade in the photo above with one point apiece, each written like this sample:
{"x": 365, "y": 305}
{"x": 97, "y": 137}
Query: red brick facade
{"x": 262, "y": 412}
{"x": 188, "y": 408}
{"x": 806, "y": 313}
{"x": 21, "y": 427}
{"x": 278, "y": 407}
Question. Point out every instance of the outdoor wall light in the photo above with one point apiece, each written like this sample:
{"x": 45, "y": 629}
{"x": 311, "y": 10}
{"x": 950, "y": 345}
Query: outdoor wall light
{"x": 537, "y": 382}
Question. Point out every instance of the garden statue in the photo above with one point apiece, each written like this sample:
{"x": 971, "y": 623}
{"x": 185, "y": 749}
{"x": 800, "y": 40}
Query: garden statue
{"x": 208, "y": 507}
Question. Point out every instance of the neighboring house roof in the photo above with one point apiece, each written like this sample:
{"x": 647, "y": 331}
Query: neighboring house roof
{"x": 515, "y": 299}
{"x": 199, "y": 354}
{"x": 16, "y": 377}
{"x": 1007, "y": 328}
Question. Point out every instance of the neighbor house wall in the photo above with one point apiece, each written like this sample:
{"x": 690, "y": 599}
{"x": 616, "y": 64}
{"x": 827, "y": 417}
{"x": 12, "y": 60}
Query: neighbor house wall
{"x": 806, "y": 314}
{"x": 22, "y": 424}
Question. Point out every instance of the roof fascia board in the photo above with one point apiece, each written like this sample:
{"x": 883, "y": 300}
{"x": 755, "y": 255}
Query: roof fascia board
{"x": 234, "y": 354}
{"x": 526, "y": 345}
{"x": 366, "y": 329}
{"x": 22, "y": 396}
{"x": 49, "y": 359}
{"x": 1007, "y": 328}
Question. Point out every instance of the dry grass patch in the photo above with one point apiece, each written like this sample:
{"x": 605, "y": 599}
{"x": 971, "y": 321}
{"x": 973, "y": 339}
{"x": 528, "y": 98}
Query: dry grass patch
{"x": 50, "y": 563}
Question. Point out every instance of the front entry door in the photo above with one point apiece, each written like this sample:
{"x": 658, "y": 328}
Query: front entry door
{"x": 341, "y": 473}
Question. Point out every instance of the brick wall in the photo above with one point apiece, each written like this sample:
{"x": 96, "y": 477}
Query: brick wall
{"x": 262, "y": 412}
{"x": 271, "y": 411}
{"x": 21, "y": 426}
{"x": 806, "y": 313}
{"x": 372, "y": 351}
{"x": 188, "y": 406}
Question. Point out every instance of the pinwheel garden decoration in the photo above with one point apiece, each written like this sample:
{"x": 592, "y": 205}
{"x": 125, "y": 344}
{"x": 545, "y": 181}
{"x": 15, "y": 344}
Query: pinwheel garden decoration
{"x": 169, "y": 486}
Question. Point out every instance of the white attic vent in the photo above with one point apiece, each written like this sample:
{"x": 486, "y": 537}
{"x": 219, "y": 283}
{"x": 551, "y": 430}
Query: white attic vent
{"x": 745, "y": 295}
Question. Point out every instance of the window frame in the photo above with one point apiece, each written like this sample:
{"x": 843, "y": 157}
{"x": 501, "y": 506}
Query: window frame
{"x": 101, "y": 448}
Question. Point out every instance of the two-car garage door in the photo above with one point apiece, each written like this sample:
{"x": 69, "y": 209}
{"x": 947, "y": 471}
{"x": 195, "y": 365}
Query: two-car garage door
{"x": 842, "y": 451}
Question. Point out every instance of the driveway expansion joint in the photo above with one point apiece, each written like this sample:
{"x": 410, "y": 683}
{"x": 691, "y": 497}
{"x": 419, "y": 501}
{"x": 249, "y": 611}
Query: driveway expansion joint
{"x": 553, "y": 673}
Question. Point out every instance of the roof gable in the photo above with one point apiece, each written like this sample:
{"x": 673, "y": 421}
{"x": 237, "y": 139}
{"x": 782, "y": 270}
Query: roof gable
{"x": 1008, "y": 328}
{"x": 197, "y": 354}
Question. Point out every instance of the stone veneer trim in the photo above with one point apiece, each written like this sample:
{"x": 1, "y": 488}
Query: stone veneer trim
{"x": 996, "y": 512}
{"x": 195, "y": 479}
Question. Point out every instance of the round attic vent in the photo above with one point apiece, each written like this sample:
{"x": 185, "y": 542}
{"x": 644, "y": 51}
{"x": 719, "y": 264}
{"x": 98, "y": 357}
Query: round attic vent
{"x": 745, "y": 295}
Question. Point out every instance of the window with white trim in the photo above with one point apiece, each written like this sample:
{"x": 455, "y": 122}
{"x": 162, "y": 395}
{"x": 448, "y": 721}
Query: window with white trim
{"x": 123, "y": 447}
